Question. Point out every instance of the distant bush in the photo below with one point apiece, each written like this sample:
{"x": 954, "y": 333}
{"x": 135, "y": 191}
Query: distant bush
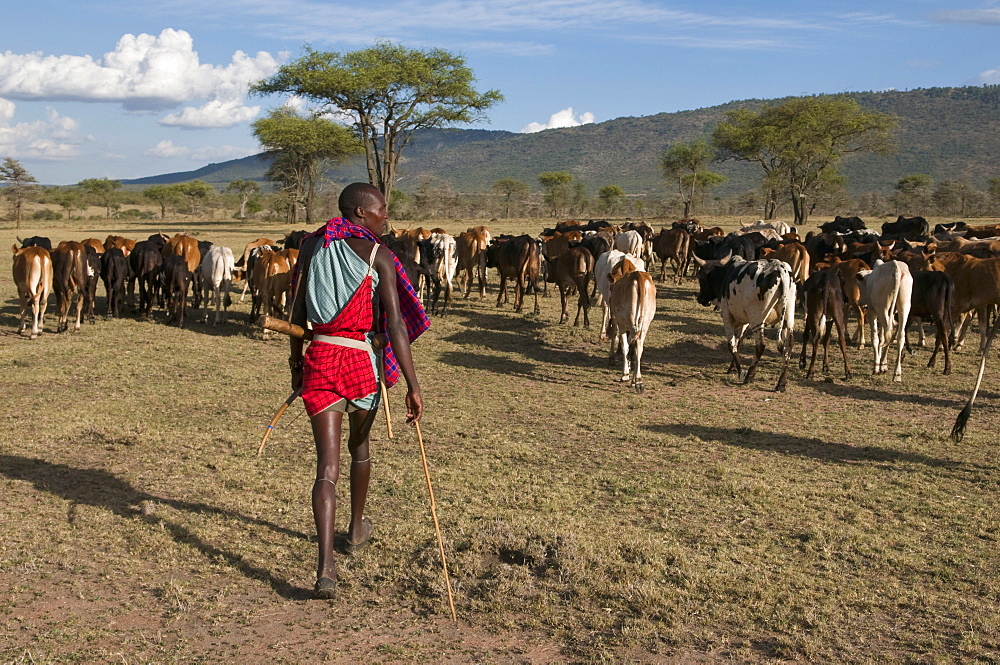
{"x": 133, "y": 213}
{"x": 46, "y": 215}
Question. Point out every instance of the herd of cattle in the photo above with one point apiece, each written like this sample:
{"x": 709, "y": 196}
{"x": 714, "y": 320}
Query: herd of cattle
{"x": 756, "y": 276}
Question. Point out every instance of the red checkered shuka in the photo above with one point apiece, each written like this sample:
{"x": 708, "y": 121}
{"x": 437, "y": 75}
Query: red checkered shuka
{"x": 330, "y": 371}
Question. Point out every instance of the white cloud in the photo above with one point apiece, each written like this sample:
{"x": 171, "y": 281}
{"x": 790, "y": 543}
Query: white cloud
{"x": 53, "y": 138}
{"x": 973, "y": 16}
{"x": 213, "y": 115}
{"x": 166, "y": 149}
{"x": 564, "y": 118}
{"x": 989, "y": 77}
{"x": 143, "y": 73}
{"x": 219, "y": 153}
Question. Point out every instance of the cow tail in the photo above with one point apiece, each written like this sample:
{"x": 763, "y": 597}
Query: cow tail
{"x": 786, "y": 335}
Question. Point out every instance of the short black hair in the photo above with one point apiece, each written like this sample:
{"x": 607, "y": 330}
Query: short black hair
{"x": 356, "y": 195}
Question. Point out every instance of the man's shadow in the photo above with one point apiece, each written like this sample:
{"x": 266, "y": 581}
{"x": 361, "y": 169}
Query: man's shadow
{"x": 96, "y": 487}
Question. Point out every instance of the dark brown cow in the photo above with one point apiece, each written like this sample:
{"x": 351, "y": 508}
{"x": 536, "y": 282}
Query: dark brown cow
{"x": 933, "y": 297}
{"x": 572, "y": 271}
{"x": 244, "y": 262}
{"x": 516, "y": 259}
{"x": 176, "y": 279}
{"x": 68, "y": 266}
{"x": 824, "y": 303}
{"x": 673, "y": 245}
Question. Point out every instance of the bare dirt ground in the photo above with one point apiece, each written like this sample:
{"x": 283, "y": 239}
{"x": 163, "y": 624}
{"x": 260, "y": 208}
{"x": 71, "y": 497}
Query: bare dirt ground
{"x": 701, "y": 521}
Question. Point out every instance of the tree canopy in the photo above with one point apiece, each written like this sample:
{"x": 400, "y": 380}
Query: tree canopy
{"x": 103, "y": 189}
{"x": 685, "y": 163}
{"x": 799, "y": 143}
{"x": 301, "y": 147}
{"x": 507, "y": 189}
{"x": 387, "y": 92}
{"x": 557, "y": 189}
{"x": 18, "y": 186}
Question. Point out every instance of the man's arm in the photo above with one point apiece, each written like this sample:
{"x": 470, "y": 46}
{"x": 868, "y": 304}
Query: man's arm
{"x": 396, "y": 330}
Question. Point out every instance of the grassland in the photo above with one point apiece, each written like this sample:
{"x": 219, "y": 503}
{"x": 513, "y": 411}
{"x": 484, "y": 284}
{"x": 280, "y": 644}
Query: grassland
{"x": 700, "y": 521}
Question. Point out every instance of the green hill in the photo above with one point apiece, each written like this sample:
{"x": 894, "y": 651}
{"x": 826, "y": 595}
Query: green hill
{"x": 947, "y": 133}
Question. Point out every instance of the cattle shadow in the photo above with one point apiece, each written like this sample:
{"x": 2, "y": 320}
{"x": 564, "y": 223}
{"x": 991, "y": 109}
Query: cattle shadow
{"x": 102, "y": 489}
{"x": 502, "y": 334}
{"x": 852, "y": 390}
{"x": 810, "y": 447}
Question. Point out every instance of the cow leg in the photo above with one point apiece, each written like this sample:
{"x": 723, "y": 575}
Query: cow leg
{"x": 826, "y": 329}
{"x": 638, "y": 345}
{"x": 614, "y": 343}
{"x": 758, "y": 353}
{"x": 624, "y": 346}
{"x": 839, "y": 321}
{"x": 79, "y": 309}
{"x": 806, "y": 341}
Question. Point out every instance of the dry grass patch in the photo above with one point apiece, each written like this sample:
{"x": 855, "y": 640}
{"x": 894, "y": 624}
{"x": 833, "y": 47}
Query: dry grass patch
{"x": 699, "y": 521}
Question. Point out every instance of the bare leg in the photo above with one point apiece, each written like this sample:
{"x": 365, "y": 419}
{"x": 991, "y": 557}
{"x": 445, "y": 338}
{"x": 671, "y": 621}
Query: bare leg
{"x": 326, "y": 432}
{"x": 357, "y": 444}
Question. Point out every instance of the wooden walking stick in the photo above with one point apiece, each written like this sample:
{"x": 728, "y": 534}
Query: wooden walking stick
{"x": 437, "y": 528}
{"x": 270, "y": 426}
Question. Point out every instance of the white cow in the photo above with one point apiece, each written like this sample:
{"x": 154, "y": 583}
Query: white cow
{"x": 629, "y": 242}
{"x": 887, "y": 291}
{"x": 216, "y": 277}
{"x": 442, "y": 257}
{"x": 633, "y": 305}
{"x": 606, "y": 263}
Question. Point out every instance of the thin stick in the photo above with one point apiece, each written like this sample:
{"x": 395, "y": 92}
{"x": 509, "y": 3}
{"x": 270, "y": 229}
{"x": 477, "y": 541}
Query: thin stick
{"x": 385, "y": 403}
{"x": 270, "y": 427}
{"x": 437, "y": 528}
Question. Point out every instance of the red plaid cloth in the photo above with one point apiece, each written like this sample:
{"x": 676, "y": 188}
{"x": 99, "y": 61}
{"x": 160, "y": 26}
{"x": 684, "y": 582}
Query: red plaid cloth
{"x": 410, "y": 307}
{"x": 331, "y": 371}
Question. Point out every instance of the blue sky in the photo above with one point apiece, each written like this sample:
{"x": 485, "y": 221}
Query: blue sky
{"x": 126, "y": 88}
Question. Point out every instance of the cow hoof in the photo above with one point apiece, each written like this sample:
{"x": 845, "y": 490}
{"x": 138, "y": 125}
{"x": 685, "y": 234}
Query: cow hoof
{"x": 625, "y": 378}
{"x": 639, "y": 388}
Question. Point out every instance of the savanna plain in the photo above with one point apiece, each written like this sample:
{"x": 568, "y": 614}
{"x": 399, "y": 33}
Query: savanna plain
{"x": 699, "y": 521}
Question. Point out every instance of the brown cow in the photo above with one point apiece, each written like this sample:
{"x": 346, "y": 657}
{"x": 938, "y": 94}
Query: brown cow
{"x": 244, "y": 262}
{"x": 571, "y": 271}
{"x": 186, "y": 247}
{"x": 977, "y": 287}
{"x": 824, "y": 304}
{"x": 848, "y": 271}
{"x": 97, "y": 245}
{"x": 673, "y": 245}
{"x": 516, "y": 259}
{"x": 795, "y": 255}
{"x": 471, "y": 249}
{"x": 121, "y": 242}
{"x": 33, "y": 277}
{"x": 68, "y": 270}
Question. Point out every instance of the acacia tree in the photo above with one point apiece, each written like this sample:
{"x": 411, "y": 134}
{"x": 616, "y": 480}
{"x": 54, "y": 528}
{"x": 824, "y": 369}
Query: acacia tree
{"x": 507, "y": 189}
{"x": 301, "y": 147}
{"x": 162, "y": 195}
{"x": 912, "y": 193}
{"x": 18, "y": 186}
{"x": 685, "y": 163}
{"x": 247, "y": 190}
{"x": 194, "y": 191}
{"x": 610, "y": 197}
{"x": 388, "y": 92}
{"x": 557, "y": 190}
{"x": 102, "y": 189}
{"x": 799, "y": 143}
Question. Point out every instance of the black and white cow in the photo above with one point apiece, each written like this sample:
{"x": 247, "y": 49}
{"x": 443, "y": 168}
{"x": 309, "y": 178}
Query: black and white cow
{"x": 751, "y": 295}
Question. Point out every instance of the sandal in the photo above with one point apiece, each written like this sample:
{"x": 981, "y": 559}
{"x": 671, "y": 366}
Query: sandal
{"x": 325, "y": 589}
{"x": 369, "y": 529}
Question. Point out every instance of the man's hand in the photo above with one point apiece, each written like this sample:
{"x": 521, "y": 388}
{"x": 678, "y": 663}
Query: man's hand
{"x": 414, "y": 405}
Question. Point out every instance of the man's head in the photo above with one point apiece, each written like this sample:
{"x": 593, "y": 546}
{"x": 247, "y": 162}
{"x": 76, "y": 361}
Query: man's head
{"x": 365, "y": 205}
